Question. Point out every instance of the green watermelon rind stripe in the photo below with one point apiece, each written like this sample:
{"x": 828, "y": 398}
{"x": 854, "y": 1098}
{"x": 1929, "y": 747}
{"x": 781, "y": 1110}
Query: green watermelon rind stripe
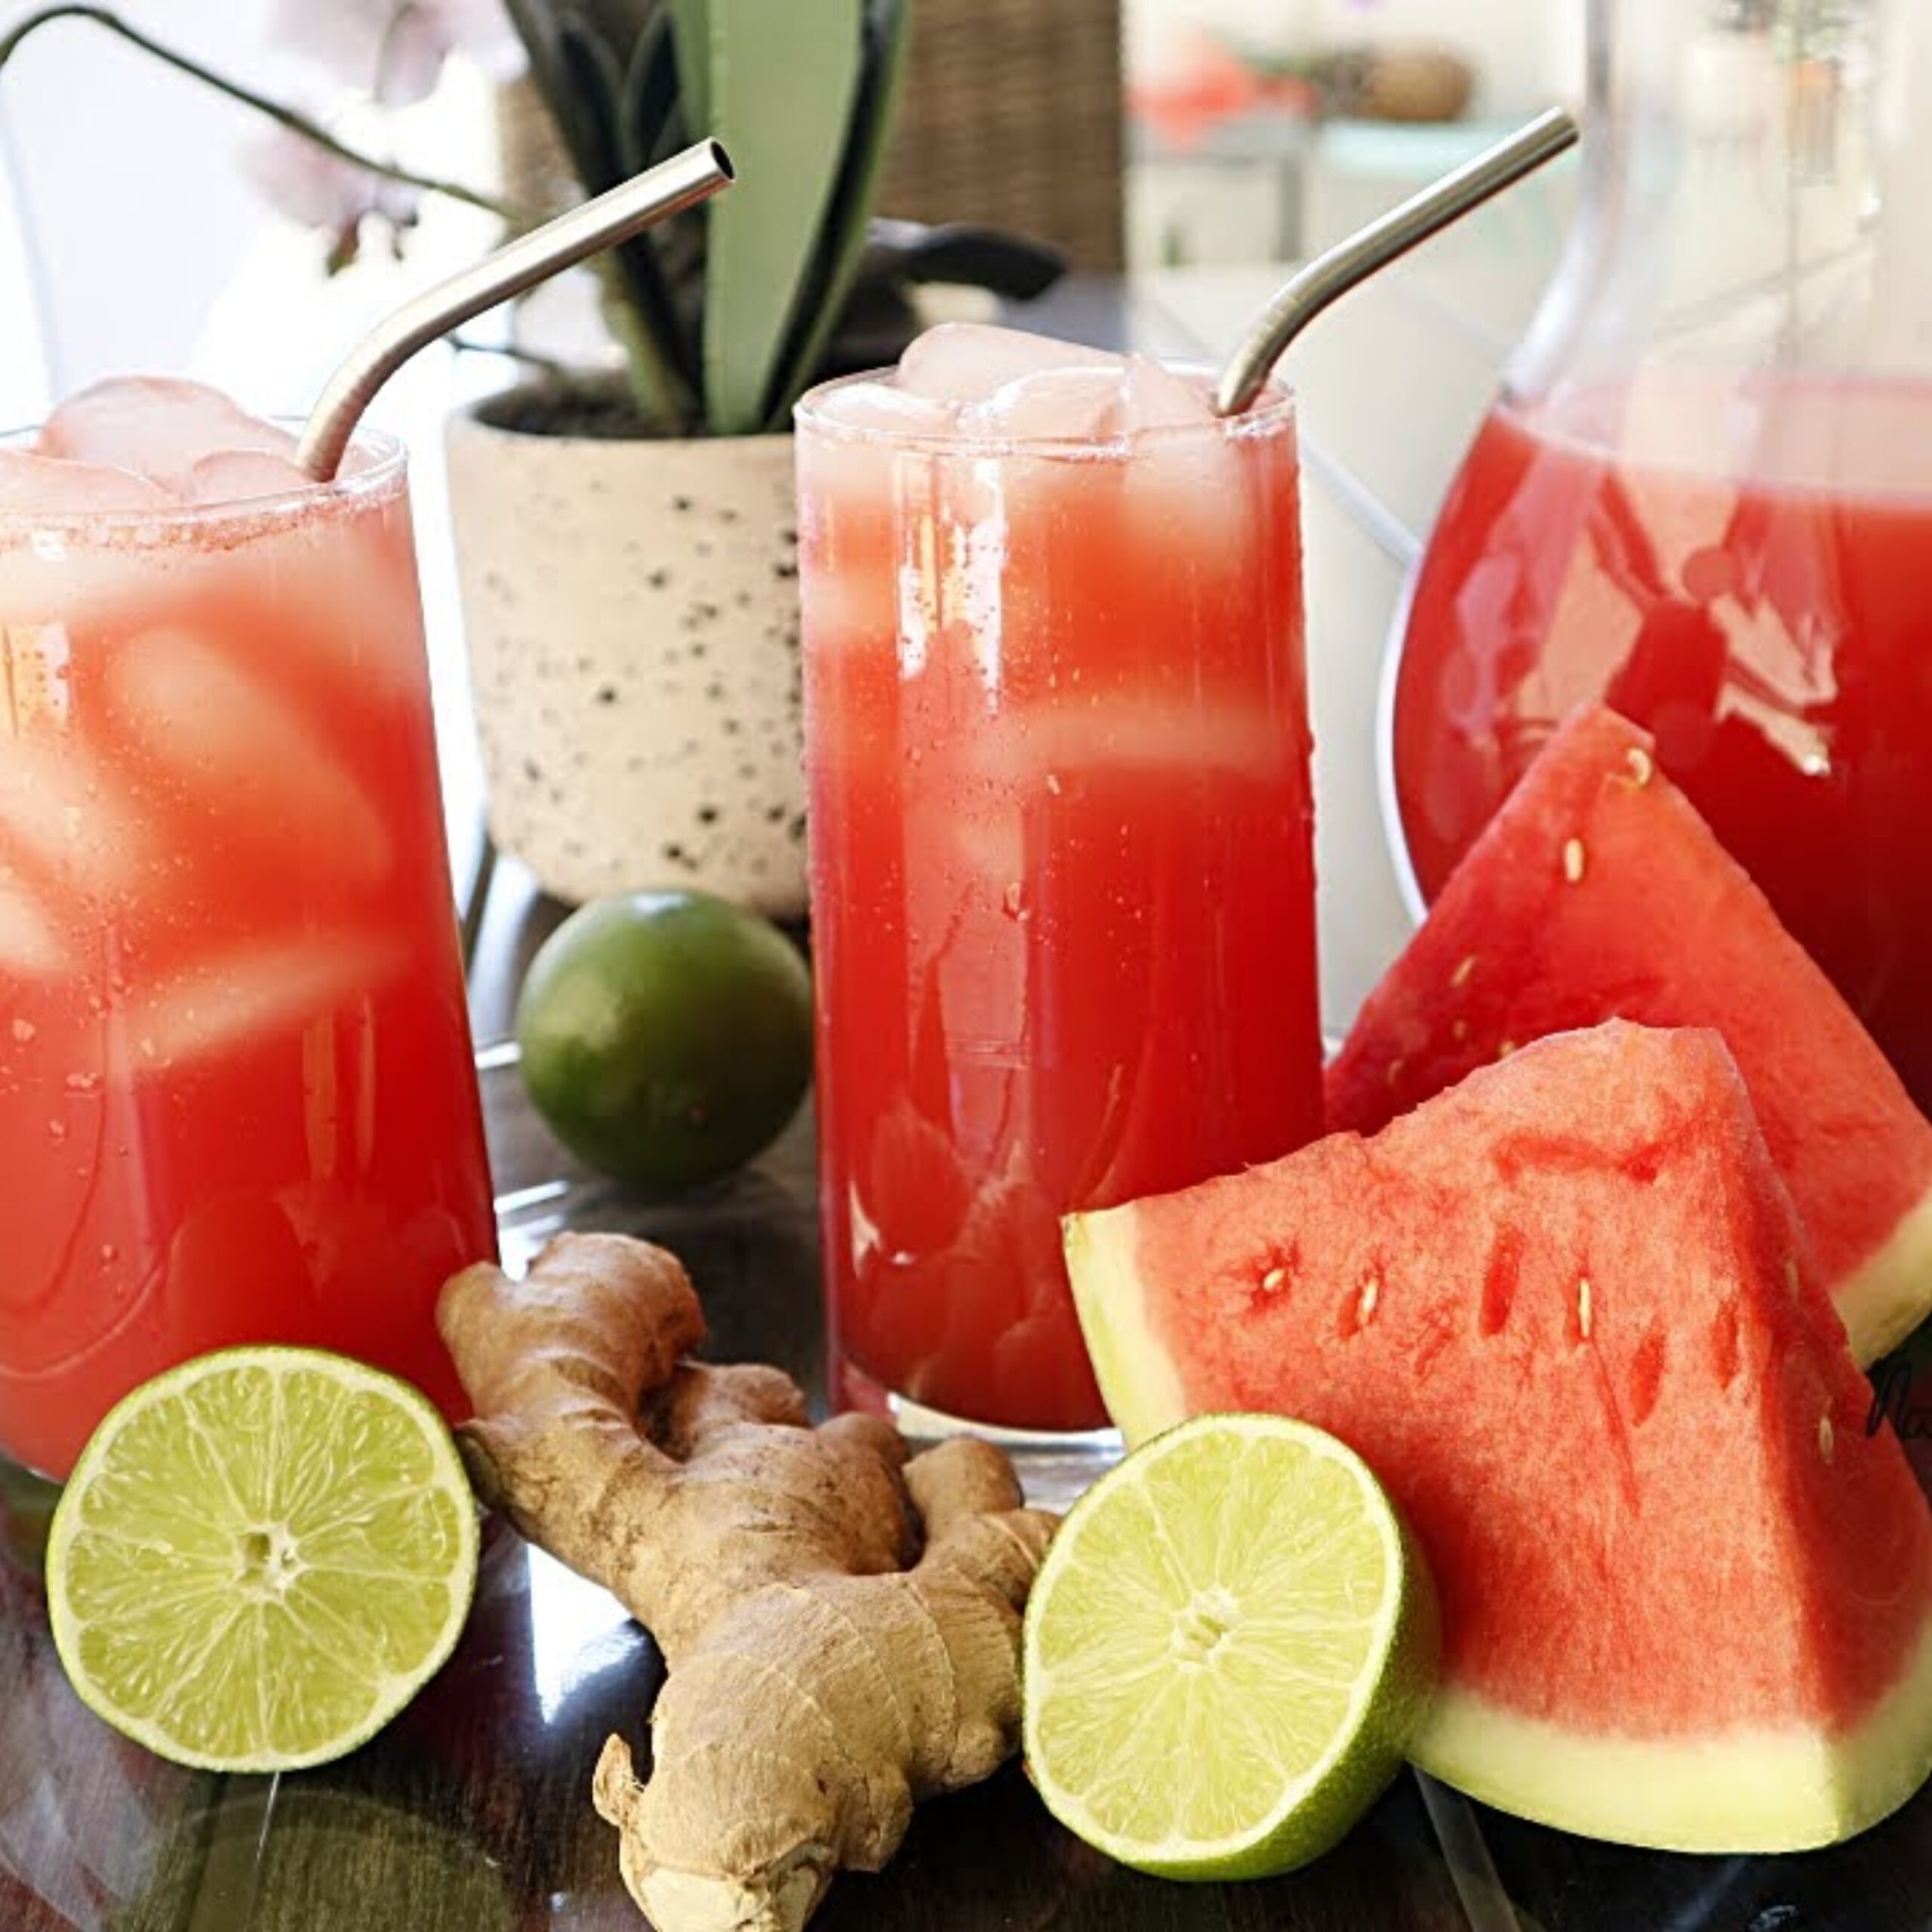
{"x": 1756, "y": 1789}
{"x": 1883, "y": 1300}
{"x": 1132, "y": 1364}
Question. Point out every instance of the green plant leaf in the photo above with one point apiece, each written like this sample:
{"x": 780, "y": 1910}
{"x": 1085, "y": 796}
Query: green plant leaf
{"x": 643, "y": 320}
{"x": 783, "y": 79}
{"x": 619, "y": 22}
{"x": 582, "y": 82}
{"x": 648, "y": 129}
{"x": 690, "y": 27}
{"x": 579, "y": 120}
{"x": 650, "y": 126}
{"x": 591, "y": 71}
{"x": 835, "y": 263}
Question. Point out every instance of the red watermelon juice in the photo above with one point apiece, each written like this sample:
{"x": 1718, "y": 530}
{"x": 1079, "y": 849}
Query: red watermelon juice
{"x": 1743, "y": 568}
{"x": 1063, "y": 883}
{"x": 237, "y": 1098}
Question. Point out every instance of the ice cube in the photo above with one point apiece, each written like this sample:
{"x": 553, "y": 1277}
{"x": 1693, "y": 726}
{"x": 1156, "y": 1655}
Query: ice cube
{"x": 1194, "y": 494}
{"x": 1206, "y": 736}
{"x": 227, "y": 737}
{"x": 239, "y": 476}
{"x": 967, "y": 362}
{"x": 882, "y": 408}
{"x": 62, "y": 814}
{"x": 851, "y": 498}
{"x": 1158, "y": 397}
{"x": 1078, "y": 403}
{"x": 260, "y": 993}
{"x": 158, "y": 426}
{"x": 34, "y": 485}
{"x": 30, "y": 947}
{"x": 1058, "y": 744}
{"x": 338, "y": 591}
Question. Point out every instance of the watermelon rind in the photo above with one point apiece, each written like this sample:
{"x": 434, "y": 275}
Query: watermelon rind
{"x": 1755, "y": 1789}
{"x": 1752, "y": 1789}
{"x": 1138, "y": 1382}
{"x": 1884, "y": 1300}
{"x": 1656, "y": 923}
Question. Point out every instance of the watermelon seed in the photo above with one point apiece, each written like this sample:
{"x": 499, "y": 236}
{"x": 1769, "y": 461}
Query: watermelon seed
{"x": 1273, "y": 1280}
{"x": 1499, "y": 1283}
{"x": 1583, "y": 1308}
{"x": 1641, "y": 763}
{"x": 1827, "y": 1443}
{"x": 1394, "y": 1072}
{"x": 1371, "y": 1292}
{"x": 1504, "y": 1048}
{"x": 1791, "y": 1272}
{"x": 1573, "y": 860}
{"x": 1724, "y": 1343}
{"x": 1646, "y": 1375}
{"x": 1467, "y": 965}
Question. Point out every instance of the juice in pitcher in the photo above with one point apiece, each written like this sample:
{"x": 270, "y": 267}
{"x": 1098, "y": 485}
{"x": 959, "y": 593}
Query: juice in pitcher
{"x": 1705, "y": 494}
{"x": 1062, "y": 883}
{"x": 237, "y": 1099}
{"x": 1739, "y": 565}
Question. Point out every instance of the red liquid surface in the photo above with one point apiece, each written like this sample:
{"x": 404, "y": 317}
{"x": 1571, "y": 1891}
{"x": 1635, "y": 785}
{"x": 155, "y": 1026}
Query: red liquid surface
{"x": 237, "y": 1101}
{"x": 1762, "y": 602}
{"x": 1063, "y": 892}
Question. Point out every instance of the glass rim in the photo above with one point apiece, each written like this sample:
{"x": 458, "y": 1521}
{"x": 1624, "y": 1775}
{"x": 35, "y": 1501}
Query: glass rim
{"x": 1272, "y": 412}
{"x": 388, "y": 465}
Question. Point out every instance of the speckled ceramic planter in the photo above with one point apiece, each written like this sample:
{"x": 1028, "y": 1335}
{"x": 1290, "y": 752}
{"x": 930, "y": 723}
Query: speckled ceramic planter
{"x": 633, "y": 614}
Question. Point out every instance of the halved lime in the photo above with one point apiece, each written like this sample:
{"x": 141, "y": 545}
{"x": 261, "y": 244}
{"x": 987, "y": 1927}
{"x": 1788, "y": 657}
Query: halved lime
{"x": 1227, "y": 1648}
{"x": 260, "y": 1557}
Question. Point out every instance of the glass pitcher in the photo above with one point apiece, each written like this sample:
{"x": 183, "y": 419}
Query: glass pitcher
{"x": 1704, "y": 493}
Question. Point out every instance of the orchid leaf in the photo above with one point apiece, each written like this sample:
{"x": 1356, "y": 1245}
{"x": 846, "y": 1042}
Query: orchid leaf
{"x": 619, "y": 22}
{"x": 581, "y": 118}
{"x": 647, "y": 322}
{"x": 836, "y": 261}
{"x": 782, "y": 81}
{"x": 652, "y": 127}
{"x": 691, "y": 30}
{"x": 596, "y": 81}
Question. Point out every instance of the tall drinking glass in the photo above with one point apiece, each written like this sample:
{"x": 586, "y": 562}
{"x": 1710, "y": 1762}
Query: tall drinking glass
{"x": 1062, "y": 888}
{"x": 237, "y": 1100}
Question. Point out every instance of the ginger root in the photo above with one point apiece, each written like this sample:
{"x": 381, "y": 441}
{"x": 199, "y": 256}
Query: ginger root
{"x": 840, "y": 1624}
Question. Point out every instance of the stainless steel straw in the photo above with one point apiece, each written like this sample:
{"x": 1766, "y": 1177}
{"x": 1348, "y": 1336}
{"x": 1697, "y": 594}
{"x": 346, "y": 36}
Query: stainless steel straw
{"x": 1310, "y": 290}
{"x": 680, "y": 183}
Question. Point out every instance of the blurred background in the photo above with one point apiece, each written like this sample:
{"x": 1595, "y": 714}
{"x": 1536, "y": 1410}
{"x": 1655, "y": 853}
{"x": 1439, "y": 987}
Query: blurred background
{"x": 1175, "y": 152}
{"x": 144, "y": 221}
{"x": 1265, "y": 129}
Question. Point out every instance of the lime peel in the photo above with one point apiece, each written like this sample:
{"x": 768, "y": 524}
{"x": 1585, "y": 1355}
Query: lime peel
{"x": 666, "y": 1036}
{"x": 261, "y": 1556}
{"x": 1230, "y": 1642}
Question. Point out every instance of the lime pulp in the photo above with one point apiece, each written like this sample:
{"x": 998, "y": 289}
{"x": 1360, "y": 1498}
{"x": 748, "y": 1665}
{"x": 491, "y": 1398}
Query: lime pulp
{"x": 1230, "y": 1641}
{"x": 260, "y": 1557}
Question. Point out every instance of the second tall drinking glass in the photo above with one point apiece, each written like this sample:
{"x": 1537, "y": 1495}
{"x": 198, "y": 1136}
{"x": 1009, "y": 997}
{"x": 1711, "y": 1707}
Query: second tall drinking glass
{"x": 1063, "y": 884}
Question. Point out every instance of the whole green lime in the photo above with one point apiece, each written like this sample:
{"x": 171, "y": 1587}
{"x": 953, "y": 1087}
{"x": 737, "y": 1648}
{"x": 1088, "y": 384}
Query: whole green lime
{"x": 666, "y": 1036}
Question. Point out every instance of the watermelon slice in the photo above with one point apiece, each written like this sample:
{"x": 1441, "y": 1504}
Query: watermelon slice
{"x": 1565, "y": 1313}
{"x": 1597, "y": 892}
